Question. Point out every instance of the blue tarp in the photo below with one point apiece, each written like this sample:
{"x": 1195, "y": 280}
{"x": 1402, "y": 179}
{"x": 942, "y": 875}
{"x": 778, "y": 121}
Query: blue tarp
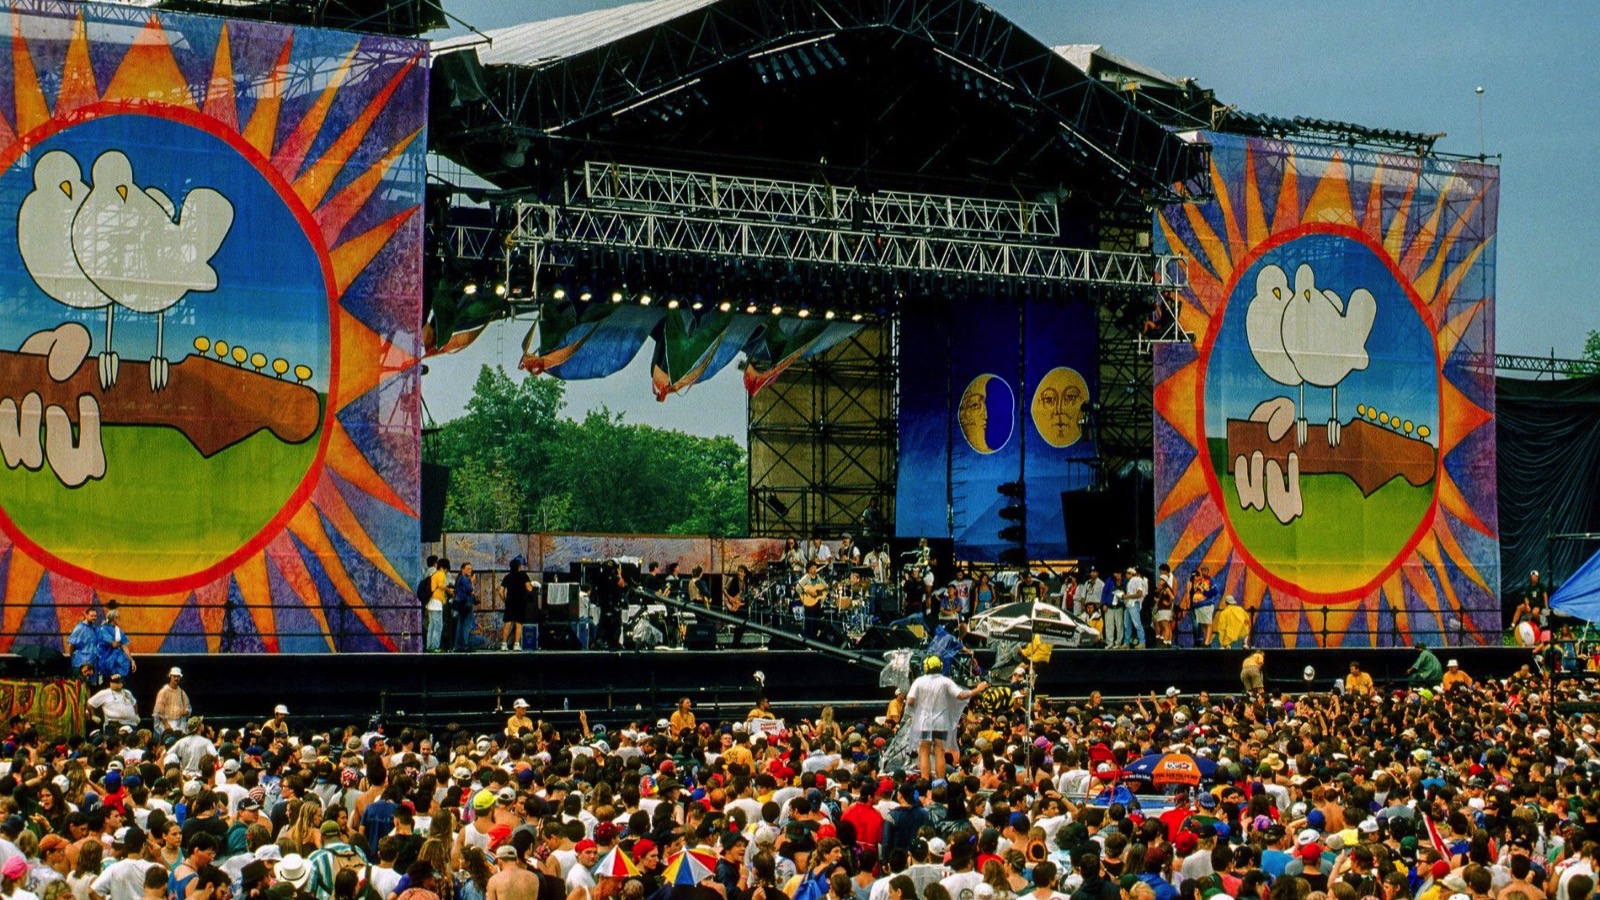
{"x": 1580, "y": 596}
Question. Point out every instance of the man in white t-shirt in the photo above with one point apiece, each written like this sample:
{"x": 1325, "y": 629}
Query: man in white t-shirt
{"x": 1134, "y": 591}
{"x": 965, "y": 879}
{"x": 124, "y": 879}
{"x": 581, "y": 874}
{"x": 933, "y": 705}
{"x": 115, "y": 705}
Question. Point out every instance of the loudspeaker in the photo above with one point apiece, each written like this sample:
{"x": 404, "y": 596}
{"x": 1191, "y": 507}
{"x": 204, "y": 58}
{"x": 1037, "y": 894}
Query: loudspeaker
{"x": 700, "y": 635}
{"x": 883, "y": 637}
{"x": 435, "y": 490}
{"x": 1092, "y": 523}
{"x": 559, "y": 636}
{"x": 458, "y": 80}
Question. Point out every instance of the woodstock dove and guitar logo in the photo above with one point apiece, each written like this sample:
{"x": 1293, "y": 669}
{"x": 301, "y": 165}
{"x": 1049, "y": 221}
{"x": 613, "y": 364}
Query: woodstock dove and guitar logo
{"x": 113, "y": 243}
{"x": 1304, "y": 334}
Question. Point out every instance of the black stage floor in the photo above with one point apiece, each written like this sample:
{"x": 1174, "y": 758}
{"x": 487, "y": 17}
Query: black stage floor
{"x": 475, "y": 690}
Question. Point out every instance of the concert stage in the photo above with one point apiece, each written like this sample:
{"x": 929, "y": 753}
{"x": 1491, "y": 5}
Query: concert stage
{"x": 476, "y": 690}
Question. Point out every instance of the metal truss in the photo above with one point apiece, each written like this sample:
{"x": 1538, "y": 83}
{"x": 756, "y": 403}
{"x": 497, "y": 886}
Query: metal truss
{"x": 1542, "y": 366}
{"x": 1327, "y": 131}
{"x": 474, "y": 242}
{"x": 632, "y": 208}
{"x": 1164, "y": 325}
{"x": 779, "y": 200}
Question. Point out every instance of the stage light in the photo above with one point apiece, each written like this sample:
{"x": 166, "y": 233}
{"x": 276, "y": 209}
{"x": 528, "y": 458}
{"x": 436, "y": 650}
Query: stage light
{"x": 469, "y": 288}
{"x": 644, "y": 299}
{"x": 856, "y": 317}
{"x": 751, "y": 309}
{"x": 616, "y": 296}
{"x": 586, "y": 295}
{"x": 828, "y": 315}
{"x": 673, "y": 303}
{"x": 559, "y": 293}
{"x": 804, "y": 313}
{"x": 697, "y": 306}
{"x": 725, "y": 306}
{"x": 777, "y": 310}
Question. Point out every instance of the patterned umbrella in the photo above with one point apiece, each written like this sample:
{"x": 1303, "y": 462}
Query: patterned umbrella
{"x": 690, "y": 867}
{"x": 615, "y": 864}
{"x": 1161, "y": 769}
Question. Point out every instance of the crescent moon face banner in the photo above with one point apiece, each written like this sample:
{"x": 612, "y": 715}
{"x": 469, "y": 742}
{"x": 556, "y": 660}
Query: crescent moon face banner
{"x": 1325, "y": 447}
{"x": 209, "y": 397}
{"x": 994, "y": 392}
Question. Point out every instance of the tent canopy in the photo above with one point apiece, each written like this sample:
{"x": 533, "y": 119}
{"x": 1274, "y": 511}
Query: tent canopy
{"x": 1579, "y": 597}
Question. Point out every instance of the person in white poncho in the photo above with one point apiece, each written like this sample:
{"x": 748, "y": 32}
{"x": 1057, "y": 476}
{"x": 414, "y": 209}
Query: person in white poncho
{"x": 933, "y": 708}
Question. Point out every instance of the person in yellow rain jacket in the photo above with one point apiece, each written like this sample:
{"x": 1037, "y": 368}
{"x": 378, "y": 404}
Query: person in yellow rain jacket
{"x": 1231, "y": 624}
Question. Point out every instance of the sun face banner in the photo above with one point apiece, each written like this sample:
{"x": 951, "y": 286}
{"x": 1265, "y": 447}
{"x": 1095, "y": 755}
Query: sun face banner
{"x": 210, "y": 271}
{"x": 1325, "y": 448}
{"x": 993, "y": 392}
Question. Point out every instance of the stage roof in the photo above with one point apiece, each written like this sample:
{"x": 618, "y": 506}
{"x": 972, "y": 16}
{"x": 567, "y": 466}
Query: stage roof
{"x": 546, "y": 40}
{"x": 937, "y": 95}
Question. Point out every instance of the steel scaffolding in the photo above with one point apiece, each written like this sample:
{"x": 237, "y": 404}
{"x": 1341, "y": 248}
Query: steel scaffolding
{"x": 823, "y": 440}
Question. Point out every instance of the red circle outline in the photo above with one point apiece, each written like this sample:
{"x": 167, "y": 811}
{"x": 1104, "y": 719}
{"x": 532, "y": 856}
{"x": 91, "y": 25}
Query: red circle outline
{"x": 1214, "y": 486}
{"x": 308, "y": 225}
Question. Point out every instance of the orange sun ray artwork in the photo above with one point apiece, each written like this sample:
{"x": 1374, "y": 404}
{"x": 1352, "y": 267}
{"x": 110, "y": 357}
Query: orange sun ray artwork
{"x": 275, "y": 165}
{"x": 1330, "y": 422}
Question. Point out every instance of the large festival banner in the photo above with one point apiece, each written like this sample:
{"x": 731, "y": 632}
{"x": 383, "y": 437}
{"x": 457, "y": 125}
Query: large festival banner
{"x": 210, "y": 273}
{"x": 1325, "y": 448}
{"x": 990, "y": 393}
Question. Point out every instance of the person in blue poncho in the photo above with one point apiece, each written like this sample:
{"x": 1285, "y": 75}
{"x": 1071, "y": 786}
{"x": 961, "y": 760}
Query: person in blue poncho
{"x": 114, "y": 658}
{"x": 86, "y": 643}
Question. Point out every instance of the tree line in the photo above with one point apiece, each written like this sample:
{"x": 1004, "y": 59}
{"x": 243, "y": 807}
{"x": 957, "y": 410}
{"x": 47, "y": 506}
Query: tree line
{"x": 517, "y": 465}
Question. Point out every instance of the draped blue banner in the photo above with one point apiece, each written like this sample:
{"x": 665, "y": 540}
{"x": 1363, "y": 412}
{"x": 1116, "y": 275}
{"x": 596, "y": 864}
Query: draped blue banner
{"x": 974, "y": 416}
{"x": 1062, "y": 363}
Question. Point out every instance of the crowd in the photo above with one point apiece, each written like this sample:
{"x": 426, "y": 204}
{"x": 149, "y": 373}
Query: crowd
{"x": 1452, "y": 789}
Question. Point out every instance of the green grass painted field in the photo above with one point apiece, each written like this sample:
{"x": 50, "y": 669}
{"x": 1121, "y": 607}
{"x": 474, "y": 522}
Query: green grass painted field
{"x": 1342, "y": 541}
{"x": 179, "y": 513}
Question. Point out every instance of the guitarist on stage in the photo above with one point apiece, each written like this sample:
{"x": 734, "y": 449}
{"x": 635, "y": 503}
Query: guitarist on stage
{"x": 813, "y": 588}
{"x": 733, "y": 590}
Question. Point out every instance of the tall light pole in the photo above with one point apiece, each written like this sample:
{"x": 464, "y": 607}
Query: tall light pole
{"x": 1483, "y": 147}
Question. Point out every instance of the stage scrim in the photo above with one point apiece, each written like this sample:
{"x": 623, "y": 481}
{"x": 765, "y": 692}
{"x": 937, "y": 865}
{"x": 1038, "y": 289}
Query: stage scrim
{"x": 1326, "y": 445}
{"x": 210, "y": 256}
{"x": 973, "y": 418}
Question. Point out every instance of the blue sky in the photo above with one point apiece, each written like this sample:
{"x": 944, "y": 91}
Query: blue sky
{"x": 1411, "y": 66}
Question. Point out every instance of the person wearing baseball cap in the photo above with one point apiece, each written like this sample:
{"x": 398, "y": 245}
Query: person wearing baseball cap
{"x": 513, "y": 878}
{"x": 518, "y": 721}
{"x": 1134, "y": 590}
{"x": 934, "y": 704}
{"x": 172, "y": 707}
{"x": 1454, "y": 677}
{"x": 582, "y": 873}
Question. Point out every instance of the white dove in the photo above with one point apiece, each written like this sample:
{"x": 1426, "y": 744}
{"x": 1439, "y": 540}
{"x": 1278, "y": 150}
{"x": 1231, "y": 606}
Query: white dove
{"x": 1326, "y": 338}
{"x": 44, "y": 237}
{"x": 140, "y": 251}
{"x": 1263, "y": 326}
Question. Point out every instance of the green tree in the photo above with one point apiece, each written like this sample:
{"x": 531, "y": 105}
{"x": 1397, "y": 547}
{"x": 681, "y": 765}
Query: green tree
{"x": 517, "y": 466}
{"x": 499, "y": 451}
{"x": 1591, "y": 352}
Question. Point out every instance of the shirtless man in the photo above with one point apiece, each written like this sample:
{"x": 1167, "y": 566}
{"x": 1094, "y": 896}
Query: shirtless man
{"x": 513, "y": 881}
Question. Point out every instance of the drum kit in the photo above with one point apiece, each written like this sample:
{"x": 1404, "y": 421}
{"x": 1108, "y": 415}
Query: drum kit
{"x": 845, "y": 600}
